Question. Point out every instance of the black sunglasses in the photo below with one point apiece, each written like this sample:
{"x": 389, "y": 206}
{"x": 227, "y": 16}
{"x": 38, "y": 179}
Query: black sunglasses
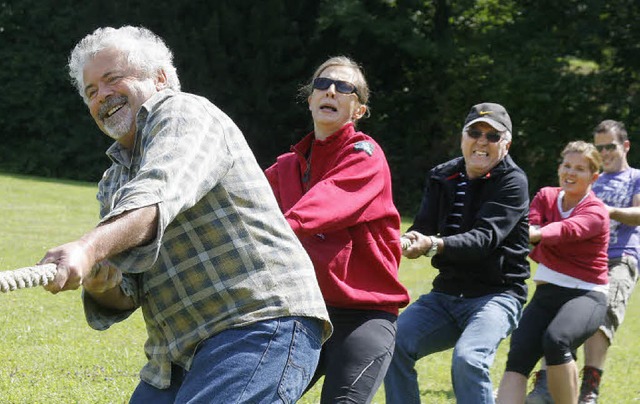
{"x": 344, "y": 87}
{"x": 492, "y": 137}
{"x": 608, "y": 147}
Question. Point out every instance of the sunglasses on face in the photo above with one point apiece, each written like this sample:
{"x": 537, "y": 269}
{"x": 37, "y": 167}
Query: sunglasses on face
{"x": 607, "y": 147}
{"x": 492, "y": 137}
{"x": 344, "y": 87}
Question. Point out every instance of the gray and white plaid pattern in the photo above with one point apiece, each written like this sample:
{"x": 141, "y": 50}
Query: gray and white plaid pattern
{"x": 224, "y": 256}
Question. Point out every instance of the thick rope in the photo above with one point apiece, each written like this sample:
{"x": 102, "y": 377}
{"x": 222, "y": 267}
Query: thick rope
{"x": 27, "y": 277}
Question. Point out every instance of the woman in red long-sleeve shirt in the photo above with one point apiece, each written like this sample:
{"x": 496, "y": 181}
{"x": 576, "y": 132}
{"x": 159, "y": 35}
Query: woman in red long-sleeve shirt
{"x": 334, "y": 188}
{"x": 569, "y": 227}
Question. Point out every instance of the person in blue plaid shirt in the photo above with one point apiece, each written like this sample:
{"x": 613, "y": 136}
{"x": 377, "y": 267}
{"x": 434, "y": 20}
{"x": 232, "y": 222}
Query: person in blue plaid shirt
{"x": 190, "y": 232}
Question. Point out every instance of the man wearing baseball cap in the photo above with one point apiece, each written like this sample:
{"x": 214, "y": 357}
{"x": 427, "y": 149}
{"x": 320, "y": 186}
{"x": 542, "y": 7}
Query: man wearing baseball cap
{"x": 473, "y": 222}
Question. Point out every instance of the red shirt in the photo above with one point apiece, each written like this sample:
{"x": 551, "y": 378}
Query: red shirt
{"x": 575, "y": 246}
{"x": 341, "y": 208}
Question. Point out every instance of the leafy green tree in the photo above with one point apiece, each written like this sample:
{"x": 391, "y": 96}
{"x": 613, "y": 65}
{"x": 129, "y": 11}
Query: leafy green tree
{"x": 40, "y": 118}
{"x": 558, "y": 67}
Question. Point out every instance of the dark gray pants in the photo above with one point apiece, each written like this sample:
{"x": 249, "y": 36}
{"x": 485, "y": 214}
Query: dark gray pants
{"x": 355, "y": 359}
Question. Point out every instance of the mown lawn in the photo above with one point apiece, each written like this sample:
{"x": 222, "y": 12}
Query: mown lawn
{"x": 49, "y": 355}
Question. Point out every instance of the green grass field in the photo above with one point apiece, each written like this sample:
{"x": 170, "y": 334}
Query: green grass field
{"x": 48, "y": 354}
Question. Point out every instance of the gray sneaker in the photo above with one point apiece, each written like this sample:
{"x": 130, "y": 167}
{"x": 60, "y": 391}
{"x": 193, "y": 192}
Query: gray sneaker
{"x": 540, "y": 393}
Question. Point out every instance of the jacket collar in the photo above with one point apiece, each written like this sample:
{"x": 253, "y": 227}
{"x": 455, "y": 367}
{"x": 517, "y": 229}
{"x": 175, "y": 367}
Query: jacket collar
{"x": 303, "y": 146}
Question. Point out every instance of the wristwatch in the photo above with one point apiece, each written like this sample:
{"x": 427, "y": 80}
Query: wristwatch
{"x": 434, "y": 247}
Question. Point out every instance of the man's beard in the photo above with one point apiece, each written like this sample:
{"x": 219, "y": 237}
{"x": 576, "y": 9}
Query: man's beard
{"x": 119, "y": 124}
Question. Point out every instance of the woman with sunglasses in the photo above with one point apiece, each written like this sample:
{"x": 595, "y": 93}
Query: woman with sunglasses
{"x": 569, "y": 227}
{"x": 334, "y": 188}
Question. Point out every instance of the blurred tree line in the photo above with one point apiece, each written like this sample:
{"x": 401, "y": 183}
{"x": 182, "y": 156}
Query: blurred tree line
{"x": 558, "y": 67}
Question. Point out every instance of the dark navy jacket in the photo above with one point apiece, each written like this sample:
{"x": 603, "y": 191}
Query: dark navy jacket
{"x": 489, "y": 252}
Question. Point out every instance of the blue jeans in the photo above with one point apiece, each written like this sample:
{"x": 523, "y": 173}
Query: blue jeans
{"x": 269, "y": 361}
{"x": 474, "y": 327}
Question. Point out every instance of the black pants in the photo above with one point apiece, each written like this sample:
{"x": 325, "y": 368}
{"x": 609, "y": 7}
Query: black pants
{"x": 355, "y": 359}
{"x": 554, "y": 324}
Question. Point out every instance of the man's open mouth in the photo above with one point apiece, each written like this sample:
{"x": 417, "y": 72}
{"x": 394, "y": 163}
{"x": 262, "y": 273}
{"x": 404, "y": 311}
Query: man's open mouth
{"x": 112, "y": 106}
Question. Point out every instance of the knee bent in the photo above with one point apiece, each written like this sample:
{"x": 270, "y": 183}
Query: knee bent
{"x": 557, "y": 350}
{"x": 467, "y": 359}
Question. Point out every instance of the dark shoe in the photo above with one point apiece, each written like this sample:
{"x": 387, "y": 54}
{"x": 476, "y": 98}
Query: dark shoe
{"x": 540, "y": 393}
{"x": 590, "y": 385}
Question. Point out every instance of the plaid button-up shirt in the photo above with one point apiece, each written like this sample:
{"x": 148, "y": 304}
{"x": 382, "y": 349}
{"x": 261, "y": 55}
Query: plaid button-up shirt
{"x": 223, "y": 257}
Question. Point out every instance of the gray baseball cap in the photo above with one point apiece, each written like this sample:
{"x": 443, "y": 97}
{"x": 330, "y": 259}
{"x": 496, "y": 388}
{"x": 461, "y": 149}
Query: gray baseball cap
{"x": 493, "y": 114}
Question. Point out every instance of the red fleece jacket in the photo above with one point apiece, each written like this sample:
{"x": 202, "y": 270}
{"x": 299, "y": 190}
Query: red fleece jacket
{"x": 341, "y": 207}
{"x": 575, "y": 246}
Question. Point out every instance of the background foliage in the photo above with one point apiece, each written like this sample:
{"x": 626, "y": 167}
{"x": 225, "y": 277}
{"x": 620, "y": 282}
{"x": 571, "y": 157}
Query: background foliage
{"x": 558, "y": 67}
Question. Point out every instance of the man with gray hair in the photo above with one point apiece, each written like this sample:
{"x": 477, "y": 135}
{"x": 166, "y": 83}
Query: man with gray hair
{"x": 473, "y": 222}
{"x": 190, "y": 232}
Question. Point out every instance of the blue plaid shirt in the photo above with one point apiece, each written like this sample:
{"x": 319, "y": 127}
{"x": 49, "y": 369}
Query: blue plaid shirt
{"x": 223, "y": 257}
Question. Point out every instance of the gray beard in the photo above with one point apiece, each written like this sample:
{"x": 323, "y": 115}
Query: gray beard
{"x": 118, "y": 126}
